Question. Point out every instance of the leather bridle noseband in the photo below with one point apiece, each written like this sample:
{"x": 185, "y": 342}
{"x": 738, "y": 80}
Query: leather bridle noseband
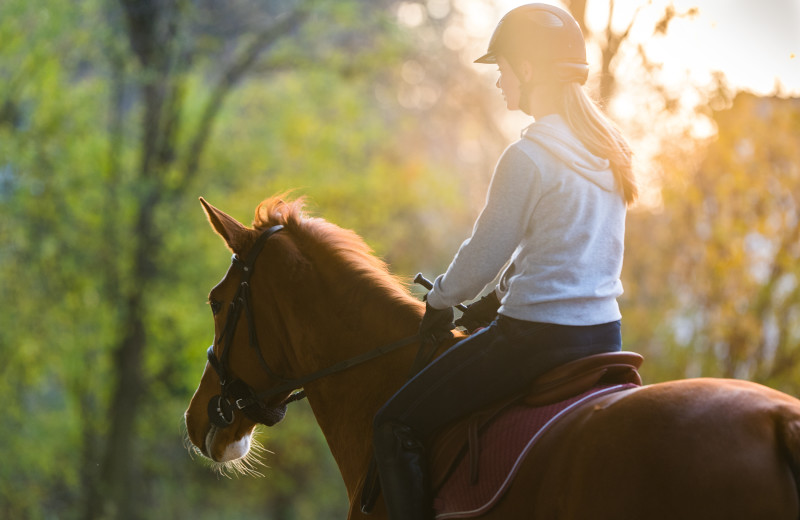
{"x": 235, "y": 393}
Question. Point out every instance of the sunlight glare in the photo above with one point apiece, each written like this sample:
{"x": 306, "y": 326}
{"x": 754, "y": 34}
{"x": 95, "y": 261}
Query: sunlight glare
{"x": 438, "y": 9}
{"x": 454, "y": 38}
{"x": 755, "y": 44}
{"x": 480, "y": 18}
{"x": 410, "y": 14}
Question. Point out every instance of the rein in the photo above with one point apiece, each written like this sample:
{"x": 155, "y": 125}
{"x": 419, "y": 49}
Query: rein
{"x": 293, "y": 384}
{"x": 235, "y": 393}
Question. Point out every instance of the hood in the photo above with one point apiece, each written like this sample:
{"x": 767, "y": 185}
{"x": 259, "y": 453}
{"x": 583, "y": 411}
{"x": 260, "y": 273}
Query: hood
{"x": 552, "y": 133}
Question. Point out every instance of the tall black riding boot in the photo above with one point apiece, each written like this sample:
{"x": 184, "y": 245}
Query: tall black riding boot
{"x": 404, "y": 473}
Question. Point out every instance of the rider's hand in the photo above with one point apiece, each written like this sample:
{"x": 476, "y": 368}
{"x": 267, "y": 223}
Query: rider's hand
{"x": 436, "y": 323}
{"x": 479, "y": 314}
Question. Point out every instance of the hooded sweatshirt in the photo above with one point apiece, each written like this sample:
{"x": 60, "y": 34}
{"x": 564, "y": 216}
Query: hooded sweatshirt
{"x": 556, "y": 221}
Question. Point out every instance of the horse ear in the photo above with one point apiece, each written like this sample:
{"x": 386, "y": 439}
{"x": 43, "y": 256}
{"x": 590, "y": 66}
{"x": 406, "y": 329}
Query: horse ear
{"x": 226, "y": 226}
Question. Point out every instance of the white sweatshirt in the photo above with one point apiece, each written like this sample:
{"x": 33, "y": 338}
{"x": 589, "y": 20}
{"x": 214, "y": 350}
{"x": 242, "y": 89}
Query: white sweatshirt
{"x": 554, "y": 217}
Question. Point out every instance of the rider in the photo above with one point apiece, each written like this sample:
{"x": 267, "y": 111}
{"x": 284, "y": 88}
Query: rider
{"x": 555, "y": 218}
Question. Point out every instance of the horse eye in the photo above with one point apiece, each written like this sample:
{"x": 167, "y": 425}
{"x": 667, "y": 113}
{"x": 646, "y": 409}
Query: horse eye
{"x": 215, "y": 306}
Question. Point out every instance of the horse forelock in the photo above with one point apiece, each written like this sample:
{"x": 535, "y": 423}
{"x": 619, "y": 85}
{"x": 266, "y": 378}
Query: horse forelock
{"x": 279, "y": 210}
{"x": 340, "y": 244}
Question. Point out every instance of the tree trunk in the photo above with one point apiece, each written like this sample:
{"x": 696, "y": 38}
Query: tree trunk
{"x": 153, "y": 27}
{"x": 151, "y": 31}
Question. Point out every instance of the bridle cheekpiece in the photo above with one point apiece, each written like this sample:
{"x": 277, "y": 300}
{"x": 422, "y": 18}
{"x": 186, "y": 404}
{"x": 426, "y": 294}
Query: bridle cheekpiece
{"x": 235, "y": 393}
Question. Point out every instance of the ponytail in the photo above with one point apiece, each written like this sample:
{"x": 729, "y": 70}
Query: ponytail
{"x": 600, "y": 136}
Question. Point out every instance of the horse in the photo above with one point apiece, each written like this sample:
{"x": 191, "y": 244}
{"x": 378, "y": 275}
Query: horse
{"x": 311, "y": 306}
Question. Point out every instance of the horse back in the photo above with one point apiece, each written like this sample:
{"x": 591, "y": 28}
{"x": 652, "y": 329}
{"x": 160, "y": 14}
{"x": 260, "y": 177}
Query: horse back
{"x": 690, "y": 449}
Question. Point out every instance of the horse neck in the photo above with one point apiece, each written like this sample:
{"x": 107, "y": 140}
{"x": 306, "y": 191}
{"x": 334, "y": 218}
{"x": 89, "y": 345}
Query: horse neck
{"x": 345, "y": 403}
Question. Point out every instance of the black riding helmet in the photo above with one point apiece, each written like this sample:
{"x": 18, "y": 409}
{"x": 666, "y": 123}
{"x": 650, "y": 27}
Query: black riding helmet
{"x": 545, "y": 35}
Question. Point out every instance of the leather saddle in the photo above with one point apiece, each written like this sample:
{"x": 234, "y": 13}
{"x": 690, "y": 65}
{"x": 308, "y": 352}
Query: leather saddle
{"x": 559, "y": 384}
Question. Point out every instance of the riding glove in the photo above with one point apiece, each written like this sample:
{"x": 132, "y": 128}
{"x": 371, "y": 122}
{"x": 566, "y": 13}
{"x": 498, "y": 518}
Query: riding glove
{"x": 436, "y": 323}
{"x": 480, "y": 313}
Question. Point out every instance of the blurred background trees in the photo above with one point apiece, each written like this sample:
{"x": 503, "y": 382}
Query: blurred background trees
{"x": 719, "y": 262}
{"x": 116, "y": 114}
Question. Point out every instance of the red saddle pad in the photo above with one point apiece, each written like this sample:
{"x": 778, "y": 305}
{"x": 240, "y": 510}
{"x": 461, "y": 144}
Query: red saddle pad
{"x": 504, "y": 444}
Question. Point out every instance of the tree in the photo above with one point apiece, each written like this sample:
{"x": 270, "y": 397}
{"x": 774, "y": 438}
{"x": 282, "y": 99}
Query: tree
{"x": 94, "y": 218}
{"x": 157, "y": 33}
{"x": 722, "y": 256}
{"x": 611, "y": 39}
{"x": 114, "y": 117}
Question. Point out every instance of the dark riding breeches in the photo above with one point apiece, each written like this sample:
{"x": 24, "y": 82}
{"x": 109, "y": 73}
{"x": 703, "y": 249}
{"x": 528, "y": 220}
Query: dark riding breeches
{"x": 495, "y": 363}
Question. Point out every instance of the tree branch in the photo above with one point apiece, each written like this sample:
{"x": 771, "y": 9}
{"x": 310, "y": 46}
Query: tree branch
{"x": 230, "y": 77}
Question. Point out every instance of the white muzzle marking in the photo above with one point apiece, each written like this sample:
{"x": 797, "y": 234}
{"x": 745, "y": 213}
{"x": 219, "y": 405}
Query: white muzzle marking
{"x": 233, "y": 451}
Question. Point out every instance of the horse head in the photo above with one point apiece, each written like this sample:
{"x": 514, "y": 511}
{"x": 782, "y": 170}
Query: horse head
{"x": 300, "y": 299}
{"x": 250, "y": 354}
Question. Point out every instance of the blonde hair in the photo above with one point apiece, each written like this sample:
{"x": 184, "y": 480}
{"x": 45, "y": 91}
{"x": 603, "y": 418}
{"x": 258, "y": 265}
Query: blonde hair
{"x": 600, "y": 136}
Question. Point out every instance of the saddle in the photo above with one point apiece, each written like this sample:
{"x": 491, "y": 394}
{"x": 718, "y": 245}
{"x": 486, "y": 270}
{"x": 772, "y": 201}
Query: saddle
{"x": 564, "y": 382}
{"x": 462, "y": 438}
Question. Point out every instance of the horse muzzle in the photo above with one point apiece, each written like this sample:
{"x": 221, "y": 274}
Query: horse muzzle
{"x": 222, "y": 408}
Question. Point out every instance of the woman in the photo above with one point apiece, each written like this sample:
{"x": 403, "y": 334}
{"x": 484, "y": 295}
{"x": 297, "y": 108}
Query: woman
{"x": 555, "y": 219}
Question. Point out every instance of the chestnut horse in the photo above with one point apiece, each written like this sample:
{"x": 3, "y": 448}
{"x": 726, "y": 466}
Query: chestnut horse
{"x": 314, "y": 297}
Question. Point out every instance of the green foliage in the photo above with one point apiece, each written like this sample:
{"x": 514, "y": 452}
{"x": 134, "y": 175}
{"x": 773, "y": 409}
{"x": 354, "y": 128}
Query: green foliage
{"x": 71, "y": 193}
{"x": 317, "y": 111}
{"x": 332, "y": 146}
{"x": 51, "y": 321}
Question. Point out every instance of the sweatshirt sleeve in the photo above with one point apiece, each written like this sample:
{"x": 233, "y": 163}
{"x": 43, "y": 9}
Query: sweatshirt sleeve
{"x": 497, "y": 232}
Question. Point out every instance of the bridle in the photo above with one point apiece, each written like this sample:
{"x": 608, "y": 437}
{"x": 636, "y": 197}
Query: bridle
{"x": 235, "y": 393}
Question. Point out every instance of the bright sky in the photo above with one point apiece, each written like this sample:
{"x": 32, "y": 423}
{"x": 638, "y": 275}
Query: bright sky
{"x": 755, "y": 43}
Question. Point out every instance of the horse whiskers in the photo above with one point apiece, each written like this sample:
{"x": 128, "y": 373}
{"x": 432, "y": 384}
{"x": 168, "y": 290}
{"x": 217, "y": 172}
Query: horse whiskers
{"x": 256, "y": 448}
{"x": 187, "y": 443}
{"x": 250, "y": 465}
{"x": 236, "y": 468}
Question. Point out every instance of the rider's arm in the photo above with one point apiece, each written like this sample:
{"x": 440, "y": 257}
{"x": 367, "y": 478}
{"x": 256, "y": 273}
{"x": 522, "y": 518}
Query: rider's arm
{"x": 498, "y": 231}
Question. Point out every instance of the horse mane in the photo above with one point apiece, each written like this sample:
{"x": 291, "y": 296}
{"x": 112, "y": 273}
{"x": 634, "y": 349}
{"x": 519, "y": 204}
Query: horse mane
{"x": 341, "y": 244}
